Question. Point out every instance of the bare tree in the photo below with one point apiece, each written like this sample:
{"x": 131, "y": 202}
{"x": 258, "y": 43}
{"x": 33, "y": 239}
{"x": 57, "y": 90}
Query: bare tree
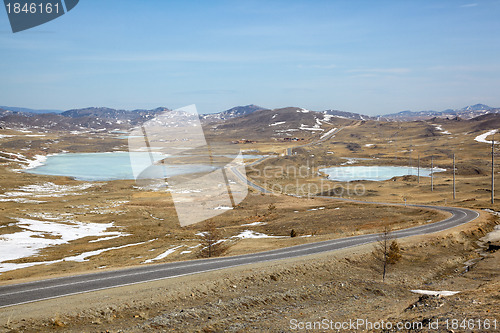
{"x": 386, "y": 251}
{"x": 212, "y": 242}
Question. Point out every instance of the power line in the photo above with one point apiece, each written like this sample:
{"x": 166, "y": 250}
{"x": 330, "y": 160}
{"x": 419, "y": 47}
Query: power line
{"x": 493, "y": 169}
{"x": 432, "y": 173}
{"x": 418, "y": 169}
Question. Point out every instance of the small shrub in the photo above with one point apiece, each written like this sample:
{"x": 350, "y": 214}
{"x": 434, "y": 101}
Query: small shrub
{"x": 394, "y": 253}
{"x": 212, "y": 242}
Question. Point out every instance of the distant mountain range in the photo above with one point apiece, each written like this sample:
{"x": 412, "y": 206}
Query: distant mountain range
{"x": 92, "y": 118}
{"x": 468, "y": 112}
{"x": 26, "y": 110}
{"x": 285, "y": 119}
{"x": 348, "y": 115}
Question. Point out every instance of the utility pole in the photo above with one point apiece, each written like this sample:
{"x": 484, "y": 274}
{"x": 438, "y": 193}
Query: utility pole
{"x": 410, "y": 161}
{"x": 493, "y": 169}
{"x": 409, "y": 166}
{"x": 418, "y": 169}
{"x": 454, "y": 177}
{"x": 432, "y": 173}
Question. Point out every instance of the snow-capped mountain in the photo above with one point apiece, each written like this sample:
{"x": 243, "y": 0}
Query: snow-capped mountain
{"x": 348, "y": 115}
{"x": 237, "y": 111}
{"x": 467, "y": 112}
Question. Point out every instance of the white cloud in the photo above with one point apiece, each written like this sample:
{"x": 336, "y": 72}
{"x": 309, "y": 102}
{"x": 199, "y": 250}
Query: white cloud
{"x": 469, "y": 5}
{"x": 374, "y": 71}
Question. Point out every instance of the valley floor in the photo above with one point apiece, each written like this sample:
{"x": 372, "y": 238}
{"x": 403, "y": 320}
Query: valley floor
{"x": 130, "y": 226}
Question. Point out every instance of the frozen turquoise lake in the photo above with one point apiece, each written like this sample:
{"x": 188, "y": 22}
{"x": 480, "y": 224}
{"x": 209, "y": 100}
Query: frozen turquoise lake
{"x": 109, "y": 166}
{"x": 373, "y": 173}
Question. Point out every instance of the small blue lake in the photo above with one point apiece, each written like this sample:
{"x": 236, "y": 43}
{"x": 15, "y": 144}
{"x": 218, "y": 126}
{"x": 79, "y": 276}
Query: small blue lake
{"x": 109, "y": 166}
{"x": 373, "y": 173}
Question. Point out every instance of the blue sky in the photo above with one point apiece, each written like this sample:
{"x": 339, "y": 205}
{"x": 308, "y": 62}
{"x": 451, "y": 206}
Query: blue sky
{"x": 371, "y": 57}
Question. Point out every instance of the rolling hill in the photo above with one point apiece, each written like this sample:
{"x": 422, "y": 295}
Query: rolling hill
{"x": 282, "y": 123}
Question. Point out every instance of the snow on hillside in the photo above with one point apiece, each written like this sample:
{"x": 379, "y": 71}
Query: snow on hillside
{"x": 33, "y": 238}
{"x": 328, "y": 133}
{"x": 482, "y": 137}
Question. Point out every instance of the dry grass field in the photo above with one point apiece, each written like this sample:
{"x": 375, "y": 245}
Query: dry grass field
{"x": 147, "y": 223}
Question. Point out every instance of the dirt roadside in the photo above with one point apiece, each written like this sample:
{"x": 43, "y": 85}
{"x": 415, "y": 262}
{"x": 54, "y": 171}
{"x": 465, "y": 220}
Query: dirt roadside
{"x": 273, "y": 296}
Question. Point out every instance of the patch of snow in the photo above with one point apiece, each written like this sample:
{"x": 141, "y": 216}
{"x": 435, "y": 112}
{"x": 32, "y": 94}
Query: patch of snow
{"x": 48, "y": 189}
{"x": 118, "y": 234}
{"x": 38, "y": 161}
{"x": 254, "y": 224}
{"x": 303, "y": 110}
{"x": 37, "y": 235}
{"x": 50, "y": 216}
{"x": 314, "y": 128}
{"x": 13, "y": 157}
{"x": 222, "y": 208}
{"x": 252, "y": 234}
{"x": 22, "y": 200}
{"x": 328, "y": 133}
{"x": 369, "y": 145}
{"x": 320, "y": 208}
{"x": 163, "y": 255}
{"x": 84, "y": 256}
{"x": 277, "y": 123}
{"x": 4, "y": 267}
{"x": 435, "y": 293}
{"x": 288, "y": 130}
{"x": 349, "y": 161}
{"x": 327, "y": 117}
{"x": 482, "y": 137}
{"x": 440, "y": 129}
